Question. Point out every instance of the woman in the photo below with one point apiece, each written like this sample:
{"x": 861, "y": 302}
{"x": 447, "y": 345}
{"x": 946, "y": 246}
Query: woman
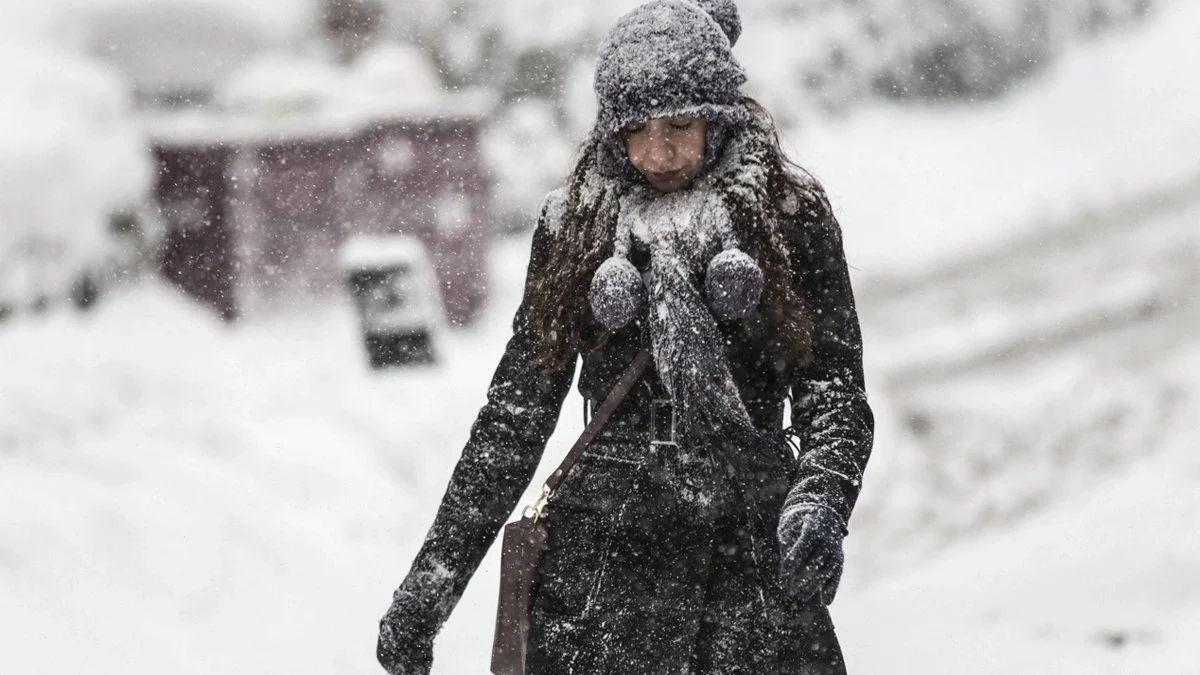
{"x": 690, "y": 538}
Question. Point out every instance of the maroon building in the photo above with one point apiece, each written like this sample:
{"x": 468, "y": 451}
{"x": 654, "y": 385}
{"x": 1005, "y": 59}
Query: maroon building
{"x": 257, "y": 212}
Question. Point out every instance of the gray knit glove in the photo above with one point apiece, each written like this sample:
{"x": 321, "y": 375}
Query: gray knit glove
{"x": 405, "y": 644}
{"x": 810, "y": 551}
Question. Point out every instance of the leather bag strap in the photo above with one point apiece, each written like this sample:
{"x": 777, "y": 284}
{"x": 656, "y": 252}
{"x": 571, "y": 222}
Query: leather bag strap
{"x": 615, "y": 397}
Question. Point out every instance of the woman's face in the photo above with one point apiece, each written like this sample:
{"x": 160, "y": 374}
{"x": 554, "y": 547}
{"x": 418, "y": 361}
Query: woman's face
{"x": 668, "y": 151}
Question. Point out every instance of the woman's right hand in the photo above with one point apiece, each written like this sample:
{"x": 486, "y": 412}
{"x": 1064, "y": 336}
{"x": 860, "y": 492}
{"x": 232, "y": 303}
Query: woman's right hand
{"x": 403, "y": 648}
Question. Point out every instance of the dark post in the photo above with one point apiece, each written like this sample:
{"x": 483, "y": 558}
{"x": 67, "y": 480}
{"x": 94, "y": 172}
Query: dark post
{"x": 198, "y": 251}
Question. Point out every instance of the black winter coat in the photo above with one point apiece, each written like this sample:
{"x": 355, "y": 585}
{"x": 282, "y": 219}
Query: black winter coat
{"x": 651, "y": 568}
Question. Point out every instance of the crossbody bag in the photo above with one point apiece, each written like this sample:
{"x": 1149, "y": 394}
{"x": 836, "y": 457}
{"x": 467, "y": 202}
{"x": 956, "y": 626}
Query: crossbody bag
{"x": 525, "y": 539}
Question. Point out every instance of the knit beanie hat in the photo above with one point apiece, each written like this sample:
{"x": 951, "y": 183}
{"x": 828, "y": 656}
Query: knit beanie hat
{"x": 668, "y": 58}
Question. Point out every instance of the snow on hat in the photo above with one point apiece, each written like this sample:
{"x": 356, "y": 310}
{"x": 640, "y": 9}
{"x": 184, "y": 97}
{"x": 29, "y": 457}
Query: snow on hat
{"x": 725, "y": 13}
{"x": 663, "y": 59}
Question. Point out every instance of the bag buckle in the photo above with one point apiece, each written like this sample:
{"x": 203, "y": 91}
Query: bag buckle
{"x": 537, "y": 510}
{"x": 662, "y": 423}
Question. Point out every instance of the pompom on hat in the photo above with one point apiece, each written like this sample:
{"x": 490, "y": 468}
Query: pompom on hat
{"x": 725, "y": 13}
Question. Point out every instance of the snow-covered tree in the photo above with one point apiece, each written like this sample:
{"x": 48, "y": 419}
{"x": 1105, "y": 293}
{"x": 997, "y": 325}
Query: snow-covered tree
{"x": 74, "y": 182}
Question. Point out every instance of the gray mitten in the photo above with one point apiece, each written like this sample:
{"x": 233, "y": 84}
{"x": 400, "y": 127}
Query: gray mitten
{"x": 810, "y": 551}
{"x": 405, "y": 644}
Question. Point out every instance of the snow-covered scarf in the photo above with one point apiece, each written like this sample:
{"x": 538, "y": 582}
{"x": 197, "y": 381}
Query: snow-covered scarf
{"x": 691, "y": 234}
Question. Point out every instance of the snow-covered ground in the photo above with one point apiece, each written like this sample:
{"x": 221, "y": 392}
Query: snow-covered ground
{"x": 178, "y": 495}
{"x": 1105, "y": 583}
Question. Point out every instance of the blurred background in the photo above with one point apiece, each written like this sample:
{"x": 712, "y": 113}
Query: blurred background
{"x": 258, "y": 260}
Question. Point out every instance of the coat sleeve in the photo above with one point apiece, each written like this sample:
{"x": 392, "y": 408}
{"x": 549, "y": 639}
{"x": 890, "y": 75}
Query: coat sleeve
{"x": 831, "y": 418}
{"x": 505, "y": 445}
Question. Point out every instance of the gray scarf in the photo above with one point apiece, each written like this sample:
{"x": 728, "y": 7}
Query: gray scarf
{"x": 690, "y": 234}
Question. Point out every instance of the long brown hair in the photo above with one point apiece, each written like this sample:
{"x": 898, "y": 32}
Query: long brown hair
{"x": 559, "y": 313}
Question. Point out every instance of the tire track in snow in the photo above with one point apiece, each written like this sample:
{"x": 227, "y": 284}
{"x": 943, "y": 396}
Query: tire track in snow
{"x": 1024, "y": 373}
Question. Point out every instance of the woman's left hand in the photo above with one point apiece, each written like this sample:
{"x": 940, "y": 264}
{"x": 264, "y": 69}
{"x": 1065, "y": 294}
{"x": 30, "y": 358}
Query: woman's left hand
{"x": 810, "y": 552}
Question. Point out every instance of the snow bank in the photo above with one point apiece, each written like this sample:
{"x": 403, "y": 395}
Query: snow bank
{"x": 180, "y": 496}
{"x": 1102, "y": 584}
{"x": 177, "y": 498}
